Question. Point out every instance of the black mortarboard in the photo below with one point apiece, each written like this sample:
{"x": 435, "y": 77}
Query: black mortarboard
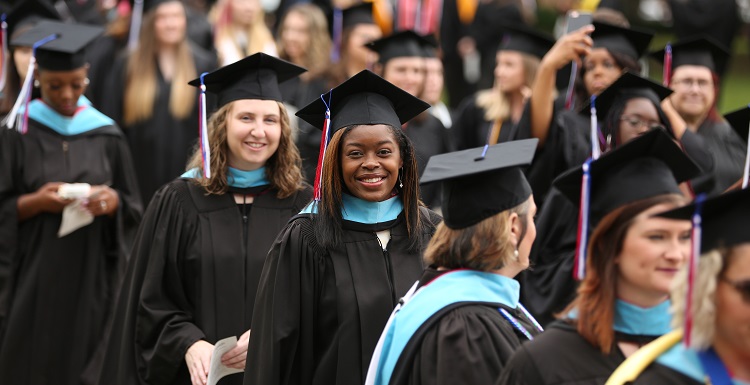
{"x": 67, "y": 51}
{"x": 429, "y": 50}
{"x": 29, "y": 12}
{"x": 701, "y": 51}
{"x": 649, "y": 165}
{"x": 401, "y": 44}
{"x": 627, "y": 41}
{"x": 725, "y": 219}
{"x": 475, "y": 187}
{"x": 626, "y": 85}
{"x": 525, "y": 39}
{"x": 364, "y": 99}
{"x": 254, "y": 77}
{"x": 357, "y": 14}
{"x": 740, "y": 121}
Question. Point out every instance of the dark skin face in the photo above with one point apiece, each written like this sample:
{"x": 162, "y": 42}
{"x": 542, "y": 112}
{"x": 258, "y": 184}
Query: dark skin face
{"x": 61, "y": 89}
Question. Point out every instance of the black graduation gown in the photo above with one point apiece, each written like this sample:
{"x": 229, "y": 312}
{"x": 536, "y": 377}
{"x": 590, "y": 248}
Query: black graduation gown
{"x": 471, "y": 129}
{"x": 429, "y": 137}
{"x": 161, "y": 145}
{"x": 465, "y": 343}
{"x": 194, "y": 275}
{"x": 728, "y": 151}
{"x": 101, "y": 55}
{"x": 560, "y": 356}
{"x": 61, "y": 289}
{"x": 319, "y": 313}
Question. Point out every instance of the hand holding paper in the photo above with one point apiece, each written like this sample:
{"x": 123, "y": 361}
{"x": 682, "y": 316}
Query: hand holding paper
{"x": 218, "y": 370}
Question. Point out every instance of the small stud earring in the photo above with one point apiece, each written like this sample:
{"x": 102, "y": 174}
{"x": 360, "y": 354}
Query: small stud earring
{"x": 86, "y": 81}
{"x": 36, "y": 83}
{"x": 515, "y": 254}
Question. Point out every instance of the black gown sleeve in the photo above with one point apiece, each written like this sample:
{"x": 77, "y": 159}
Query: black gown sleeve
{"x": 520, "y": 370}
{"x": 281, "y": 343}
{"x": 9, "y": 168}
{"x": 130, "y": 209}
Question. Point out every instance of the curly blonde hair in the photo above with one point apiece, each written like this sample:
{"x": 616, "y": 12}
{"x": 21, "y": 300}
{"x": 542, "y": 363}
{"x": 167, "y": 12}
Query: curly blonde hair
{"x": 283, "y": 168}
{"x": 485, "y": 246}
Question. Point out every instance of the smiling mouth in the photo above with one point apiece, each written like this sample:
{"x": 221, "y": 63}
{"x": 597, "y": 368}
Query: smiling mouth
{"x": 254, "y": 145}
{"x": 375, "y": 179}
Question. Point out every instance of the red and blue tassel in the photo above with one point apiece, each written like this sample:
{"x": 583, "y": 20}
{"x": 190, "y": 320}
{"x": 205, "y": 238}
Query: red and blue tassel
{"x": 667, "y": 73}
{"x": 579, "y": 269}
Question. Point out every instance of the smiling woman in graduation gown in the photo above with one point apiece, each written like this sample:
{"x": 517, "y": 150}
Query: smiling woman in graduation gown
{"x": 719, "y": 345}
{"x": 464, "y": 321}
{"x": 623, "y": 299}
{"x": 338, "y": 269}
{"x": 199, "y": 253}
{"x": 62, "y": 287}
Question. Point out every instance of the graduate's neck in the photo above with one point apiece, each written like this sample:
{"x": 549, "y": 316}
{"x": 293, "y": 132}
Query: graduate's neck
{"x": 510, "y": 271}
{"x": 733, "y": 357}
{"x": 517, "y": 100}
{"x": 693, "y": 122}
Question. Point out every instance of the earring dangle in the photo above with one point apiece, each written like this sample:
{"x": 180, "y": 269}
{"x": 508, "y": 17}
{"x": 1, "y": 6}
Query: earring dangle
{"x": 515, "y": 254}
{"x": 36, "y": 83}
{"x": 400, "y": 182}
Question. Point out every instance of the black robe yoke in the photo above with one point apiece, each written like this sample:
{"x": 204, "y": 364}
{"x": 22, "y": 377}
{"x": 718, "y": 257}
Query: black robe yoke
{"x": 162, "y": 144}
{"x": 59, "y": 291}
{"x": 470, "y": 128}
{"x": 194, "y": 274}
{"x": 319, "y": 313}
{"x": 461, "y": 344}
{"x": 728, "y": 151}
{"x": 560, "y": 356}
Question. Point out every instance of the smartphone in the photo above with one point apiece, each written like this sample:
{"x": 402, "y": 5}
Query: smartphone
{"x": 576, "y": 20}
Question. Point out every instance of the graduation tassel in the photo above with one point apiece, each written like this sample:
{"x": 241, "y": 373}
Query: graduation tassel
{"x": 5, "y": 52}
{"x": 136, "y": 19}
{"x": 595, "y": 149}
{"x": 693, "y": 267}
{"x": 24, "y": 95}
{"x": 747, "y": 163}
{"x": 203, "y": 129}
{"x": 667, "y": 74}
{"x": 317, "y": 188}
{"x": 338, "y": 25}
{"x": 579, "y": 269}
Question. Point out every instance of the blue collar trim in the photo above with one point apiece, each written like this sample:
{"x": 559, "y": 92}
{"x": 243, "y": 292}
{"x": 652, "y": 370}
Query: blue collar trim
{"x": 87, "y": 118}
{"x": 449, "y": 288}
{"x": 361, "y": 211}
{"x": 236, "y": 178}
{"x": 684, "y": 360}
{"x": 635, "y": 320}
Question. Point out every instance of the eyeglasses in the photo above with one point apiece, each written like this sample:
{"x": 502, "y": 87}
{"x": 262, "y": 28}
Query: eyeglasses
{"x": 636, "y": 122}
{"x": 689, "y": 83}
{"x": 743, "y": 287}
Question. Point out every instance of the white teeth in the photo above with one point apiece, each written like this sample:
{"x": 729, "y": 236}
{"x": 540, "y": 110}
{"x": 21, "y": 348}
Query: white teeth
{"x": 255, "y": 145}
{"x": 372, "y": 180}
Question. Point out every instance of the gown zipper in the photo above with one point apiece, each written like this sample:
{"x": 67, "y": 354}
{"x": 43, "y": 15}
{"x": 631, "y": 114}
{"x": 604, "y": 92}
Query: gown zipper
{"x": 388, "y": 268}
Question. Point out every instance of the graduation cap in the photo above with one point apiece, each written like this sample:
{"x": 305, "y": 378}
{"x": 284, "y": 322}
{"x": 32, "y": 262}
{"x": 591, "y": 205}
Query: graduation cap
{"x": 525, "y": 39}
{"x": 401, "y": 44}
{"x": 364, "y": 99}
{"x": 254, "y": 77}
{"x": 430, "y": 50}
{"x": 740, "y": 122}
{"x": 631, "y": 42}
{"x": 66, "y": 50}
{"x": 626, "y": 85}
{"x": 699, "y": 51}
{"x": 477, "y": 187}
{"x": 357, "y": 14}
{"x": 29, "y": 12}
{"x": 647, "y": 166}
